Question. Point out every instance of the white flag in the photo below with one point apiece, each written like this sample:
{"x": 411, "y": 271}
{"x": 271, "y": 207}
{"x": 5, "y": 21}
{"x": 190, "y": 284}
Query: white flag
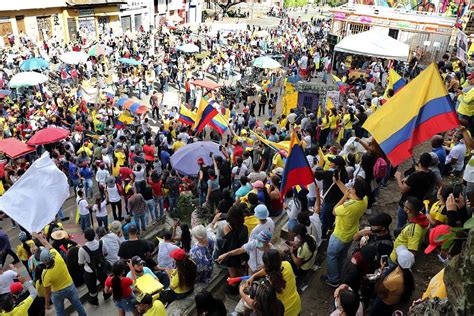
{"x": 90, "y": 95}
{"x": 34, "y": 200}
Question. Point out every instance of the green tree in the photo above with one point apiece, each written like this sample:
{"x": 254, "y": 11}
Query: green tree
{"x": 289, "y": 3}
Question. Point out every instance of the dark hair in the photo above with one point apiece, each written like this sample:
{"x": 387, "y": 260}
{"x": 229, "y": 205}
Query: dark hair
{"x": 185, "y": 237}
{"x": 416, "y": 204}
{"x": 207, "y": 305}
{"x": 89, "y": 234}
{"x": 303, "y": 218}
{"x": 425, "y": 160}
{"x": 167, "y": 235}
{"x": 235, "y": 217}
{"x": 408, "y": 285}
{"x": 350, "y": 302}
{"x": 301, "y": 230}
{"x": 187, "y": 272}
{"x": 26, "y": 247}
{"x": 244, "y": 180}
{"x": 266, "y": 301}
{"x": 367, "y": 163}
{"x": 361, "y": 187}
{"x": 118, "y": 269}
{"x": 252, "y": 198}
{"x": 227, "y": 195}
{"x": 272, "y": 262}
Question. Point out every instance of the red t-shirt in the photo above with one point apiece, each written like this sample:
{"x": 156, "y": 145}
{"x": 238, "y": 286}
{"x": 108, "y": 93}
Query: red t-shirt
{"x": 238, "y": 152}
{"x": 156, "y": 187}
{"x": 126, "y": 172}
{"x": 149, "y": 152}
{"x": 125, "y": 283}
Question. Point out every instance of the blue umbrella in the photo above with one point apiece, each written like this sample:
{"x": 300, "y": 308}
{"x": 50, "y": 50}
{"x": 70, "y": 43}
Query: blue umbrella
{"x": 185, "y": 159}
{"x": 130, "y": 61}
{"x": 34, "y": 64}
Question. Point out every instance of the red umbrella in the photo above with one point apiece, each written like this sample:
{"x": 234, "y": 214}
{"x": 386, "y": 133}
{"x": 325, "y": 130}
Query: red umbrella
{"x": 14, "y": 148}
{"x": 48, "y": 135}
{"x": 206, "y": 83}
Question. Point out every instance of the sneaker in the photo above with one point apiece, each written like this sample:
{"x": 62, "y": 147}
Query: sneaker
{"x": 107, "y": 296}
{"x": 325, "y": 279}
{"x": 94, "y": 300}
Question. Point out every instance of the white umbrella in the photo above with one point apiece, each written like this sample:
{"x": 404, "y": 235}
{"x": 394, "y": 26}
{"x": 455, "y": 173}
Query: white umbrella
{"x": 266, "y": 62}
{"x": 188, "y": 48}
{"x": 74, "y": 58}
{"x": 27, "y": 79}
{"x": 185, "y": 159}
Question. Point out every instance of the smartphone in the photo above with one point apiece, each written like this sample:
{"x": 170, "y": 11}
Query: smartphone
{"x": 385, "y": 259}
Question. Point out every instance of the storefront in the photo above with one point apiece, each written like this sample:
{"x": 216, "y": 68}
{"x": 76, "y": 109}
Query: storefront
{"x": 5, "y": 30}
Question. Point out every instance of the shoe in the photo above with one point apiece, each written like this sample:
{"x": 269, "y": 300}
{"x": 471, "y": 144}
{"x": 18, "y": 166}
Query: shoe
{"x": 66, "y": 218}
{"x": 94, "y": 300}
{"x": 107, "y": 296}
{"x": 325, "y": 279}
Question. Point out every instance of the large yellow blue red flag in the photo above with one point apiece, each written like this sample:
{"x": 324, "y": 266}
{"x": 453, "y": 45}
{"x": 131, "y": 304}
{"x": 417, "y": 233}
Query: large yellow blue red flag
{"x": 395, "y": 82}
{"x": 420, "y": 110}
{"x": 219, "y": 123}
{"x": 205, "y": 113}
{"x": 297, "y": 170}
{"x": 186, "y": 116}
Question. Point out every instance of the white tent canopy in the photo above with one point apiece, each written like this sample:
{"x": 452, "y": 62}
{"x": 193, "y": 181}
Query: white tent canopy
{"x": 374, "y": 43}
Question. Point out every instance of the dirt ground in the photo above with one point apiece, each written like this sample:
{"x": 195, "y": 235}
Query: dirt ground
{"x": 318, "y": 299}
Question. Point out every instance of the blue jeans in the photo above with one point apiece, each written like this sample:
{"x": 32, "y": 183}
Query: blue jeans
{"x": 71, "y": 294}
{"x": 140, "y": 221}
{"x": 402, "y": 217}
{"x": 102, "y": 221}
{"x": 88, "y": 188}
{"x": 152, "y": 209}
{"x": 336, "y": 256}
{"x": 85, "y": 221}
{"x": 172, "y": 200}
{"x": 160, "y": 202}
{"x": 327, "y": 218}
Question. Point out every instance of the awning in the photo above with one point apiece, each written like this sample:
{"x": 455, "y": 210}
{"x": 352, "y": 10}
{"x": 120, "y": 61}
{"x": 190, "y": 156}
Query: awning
{"x": 14, "y": 148}
{"x": 374, "y": 43}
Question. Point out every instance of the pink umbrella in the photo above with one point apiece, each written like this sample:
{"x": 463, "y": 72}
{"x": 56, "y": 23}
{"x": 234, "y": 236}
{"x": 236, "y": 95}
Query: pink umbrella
{"x": 14, "y": 148}
{"x": 48, "y": 135}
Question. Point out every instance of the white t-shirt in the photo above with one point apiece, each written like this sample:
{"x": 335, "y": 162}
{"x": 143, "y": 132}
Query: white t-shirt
{"x": 255, "y": 261}
{"x": 82, "y": 203}
{"x": 269, "y": 225}
{"x": 103, "y": 209}
{"x": 457, "y": 152}
{"x": 469, "y": 171}
{"x": 315, "y": 228}
{"x": 239, "y": 173}
{"x": 114, "y": 195}
{"x": 164, "y": 250}
{"x": 6, "y": 279}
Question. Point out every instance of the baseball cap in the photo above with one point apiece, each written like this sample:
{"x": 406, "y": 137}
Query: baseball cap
{"x": 382, "y": 219}
{"x": 258, "y": 184}
{"x": 136, "y": 260}
{"x": 261, "y": 211}
{"x": 132, "y": 228}
{"x": 405, "y": 258}
{"x": 264, "y": 237}
{"x": 178, "y": 254}
{"x": 22, "y": 236}
{"x": 434, "y": 234}
{"x": 278, "y": 171}
{"x": 338, "y": 160}
{"x": 144, "y": 298}
{"x": 45, "y": 255}
{"x": 115, "y": 227}
{"x": 16, "y": 287}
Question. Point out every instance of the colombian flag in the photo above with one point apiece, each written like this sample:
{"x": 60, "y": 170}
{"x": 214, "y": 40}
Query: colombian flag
{"x": 186, "y": 116}
{"x": 205, "y": 114}
{"x": 420, "y": 110}
{"x": 340, "y": 84}
{"x": 297, "y": 170}
{"x": 395, "y": 82}
{"x": 219, "y": 123}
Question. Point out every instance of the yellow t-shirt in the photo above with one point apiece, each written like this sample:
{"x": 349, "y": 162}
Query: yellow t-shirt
{"x": 289, "y": 297}
{"x": 120, "y": 158}
{"x": 21, "y": 309}
{"x": 347, "y": 219}
{"x": 436, "y": 212}
{"x": 347, "y": 121}
{"x": 158, "y": 309}
{"x": 436, "y": 287}
{"x": 116, "y": 170}
{"x": 58, "y": 277}
{"x": 250, "y": 221}
{"x": 177, "y": 145}
{"x": 174, "y": 285}
{"x": 325, "y": 122}
{"x": 21, "y": 252}
{"x": 333, "y": 121}
{"x": 307, "y": 256}
{"x": 411, "y": 236}
{"x": 278, "y": 161}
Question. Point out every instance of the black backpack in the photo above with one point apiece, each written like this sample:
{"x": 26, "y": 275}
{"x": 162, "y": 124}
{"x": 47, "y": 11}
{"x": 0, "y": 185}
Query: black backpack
{"x": 97, "y": 261}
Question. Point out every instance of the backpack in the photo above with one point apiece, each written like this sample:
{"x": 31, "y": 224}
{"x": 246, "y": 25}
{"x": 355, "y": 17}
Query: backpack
{"x": 97, "y": 260}
{"x": 380, "y": 169}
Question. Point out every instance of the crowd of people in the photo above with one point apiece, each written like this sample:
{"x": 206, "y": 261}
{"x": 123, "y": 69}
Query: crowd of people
{"x": 124, "y": 170}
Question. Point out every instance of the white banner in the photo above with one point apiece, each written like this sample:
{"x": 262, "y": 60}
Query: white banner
{"x": 90, "y": 95}
{"x": 34, "y": 200}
